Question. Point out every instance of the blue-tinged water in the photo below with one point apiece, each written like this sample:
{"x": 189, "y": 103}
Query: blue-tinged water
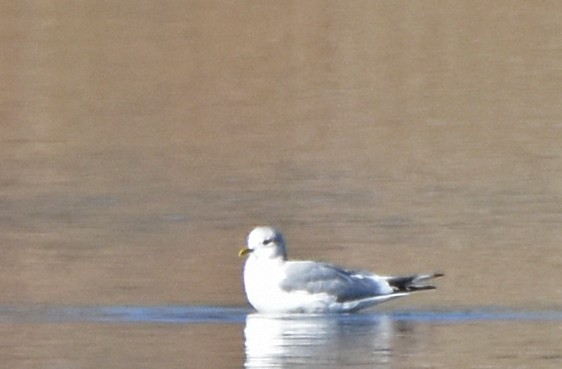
{"x": 238, "y": 337}
{"x": 239, "y": 315}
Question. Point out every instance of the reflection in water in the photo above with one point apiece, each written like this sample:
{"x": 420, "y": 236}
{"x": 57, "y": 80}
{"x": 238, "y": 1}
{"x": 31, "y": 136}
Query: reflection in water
{"x": 319, "y": 341}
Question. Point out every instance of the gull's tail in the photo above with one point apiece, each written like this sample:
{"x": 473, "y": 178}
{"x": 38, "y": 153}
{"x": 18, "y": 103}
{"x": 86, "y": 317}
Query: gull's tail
{"x": 414, "y": 282}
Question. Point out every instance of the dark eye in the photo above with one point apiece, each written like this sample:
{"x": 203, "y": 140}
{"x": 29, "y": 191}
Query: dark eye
{"x": 268, "y": 241}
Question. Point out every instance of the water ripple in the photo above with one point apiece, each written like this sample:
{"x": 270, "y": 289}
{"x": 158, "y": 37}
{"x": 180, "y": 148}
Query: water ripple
{"x": 237, "y": 315}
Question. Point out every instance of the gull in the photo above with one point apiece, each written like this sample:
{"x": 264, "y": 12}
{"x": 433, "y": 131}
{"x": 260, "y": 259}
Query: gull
{"x": 274, "y": 284}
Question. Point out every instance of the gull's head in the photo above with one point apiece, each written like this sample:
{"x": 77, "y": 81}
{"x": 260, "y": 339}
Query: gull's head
{"x": 265, "y": 243}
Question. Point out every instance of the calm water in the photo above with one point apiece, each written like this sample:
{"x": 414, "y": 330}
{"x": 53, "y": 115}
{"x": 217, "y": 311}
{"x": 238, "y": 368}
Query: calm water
{"x": 141, "y": 141}
{"x": 188, "y": 336}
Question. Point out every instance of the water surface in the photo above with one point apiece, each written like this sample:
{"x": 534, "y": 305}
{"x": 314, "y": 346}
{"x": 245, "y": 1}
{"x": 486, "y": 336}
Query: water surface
{"x": 189, "y": 336}
{"x": 141, "y": 141}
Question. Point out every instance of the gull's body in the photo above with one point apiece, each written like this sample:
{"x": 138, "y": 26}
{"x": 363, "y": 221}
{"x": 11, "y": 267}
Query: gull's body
{"x": 274, "y": 284}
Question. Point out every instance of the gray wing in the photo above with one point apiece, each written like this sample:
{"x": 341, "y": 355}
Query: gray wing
{"x": 345, "y": 285}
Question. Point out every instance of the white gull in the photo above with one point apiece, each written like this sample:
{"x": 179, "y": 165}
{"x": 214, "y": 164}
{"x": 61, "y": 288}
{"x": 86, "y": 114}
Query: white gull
{"x": 274, "y": 284}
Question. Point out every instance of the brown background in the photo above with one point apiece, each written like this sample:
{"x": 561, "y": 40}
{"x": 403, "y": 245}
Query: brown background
{"x": 141, "y": 141}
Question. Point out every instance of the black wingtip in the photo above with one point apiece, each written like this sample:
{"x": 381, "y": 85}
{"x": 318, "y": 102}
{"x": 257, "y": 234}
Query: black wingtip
{"x": 420, "y": 288}
{"x": 413, "y": 282}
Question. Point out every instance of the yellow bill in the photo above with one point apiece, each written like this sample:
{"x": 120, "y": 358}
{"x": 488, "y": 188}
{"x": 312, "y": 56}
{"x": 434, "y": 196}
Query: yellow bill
{"x": 244, "y": 251}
